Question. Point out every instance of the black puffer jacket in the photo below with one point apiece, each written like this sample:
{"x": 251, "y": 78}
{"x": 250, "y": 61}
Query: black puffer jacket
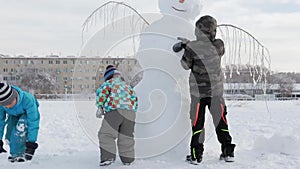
{"x": 203, "y": 57}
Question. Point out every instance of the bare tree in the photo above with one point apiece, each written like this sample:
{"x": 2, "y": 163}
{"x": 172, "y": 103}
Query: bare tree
{"x": 286, "y": 85}
{"x": 38, "y": 82}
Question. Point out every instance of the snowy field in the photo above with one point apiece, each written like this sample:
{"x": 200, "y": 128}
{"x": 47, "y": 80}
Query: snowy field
{"x": 267, "y": 135}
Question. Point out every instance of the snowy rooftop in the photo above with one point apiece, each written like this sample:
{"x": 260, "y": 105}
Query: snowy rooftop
{"x": 57, "y": 56}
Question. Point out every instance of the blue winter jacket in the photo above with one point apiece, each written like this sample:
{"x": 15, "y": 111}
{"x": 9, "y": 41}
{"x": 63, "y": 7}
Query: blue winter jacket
{"x": 27, "y": 104}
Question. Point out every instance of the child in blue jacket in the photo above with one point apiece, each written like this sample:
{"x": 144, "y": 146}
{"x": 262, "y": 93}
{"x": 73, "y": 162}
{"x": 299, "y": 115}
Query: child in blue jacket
{"x": 19, "y": 113}
{"x": 117, "y": 99}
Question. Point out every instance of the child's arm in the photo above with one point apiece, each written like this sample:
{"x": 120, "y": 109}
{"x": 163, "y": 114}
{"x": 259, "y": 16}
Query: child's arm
{"x": 102, "y": 94}
{"x": 187, "y": 59}
{"x": 2, "y": 122}
{"x": 30, "y": 105}
{"x": 219, "y": 45}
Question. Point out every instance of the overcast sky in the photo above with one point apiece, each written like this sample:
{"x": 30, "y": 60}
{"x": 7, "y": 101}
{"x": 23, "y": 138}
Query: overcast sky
{"x": 42, "y": 27}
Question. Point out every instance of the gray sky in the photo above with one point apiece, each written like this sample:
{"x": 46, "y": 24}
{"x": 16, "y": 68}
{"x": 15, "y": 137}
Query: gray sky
{"x": 41, "y": 27}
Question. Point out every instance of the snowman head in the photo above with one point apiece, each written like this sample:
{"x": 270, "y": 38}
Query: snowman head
{"x": 187, "y": 9}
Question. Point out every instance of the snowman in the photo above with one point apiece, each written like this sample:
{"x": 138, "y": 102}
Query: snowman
{"x": 163, "y": 118}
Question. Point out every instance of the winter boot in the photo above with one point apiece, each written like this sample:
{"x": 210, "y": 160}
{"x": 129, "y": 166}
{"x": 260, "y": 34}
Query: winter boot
{"x": 227, "y": 153}
{"x": 16, "y": 159}
{"x": 106, "y": 162}
{"x": 127, "y": 164}
{"x": 196, "y": 156}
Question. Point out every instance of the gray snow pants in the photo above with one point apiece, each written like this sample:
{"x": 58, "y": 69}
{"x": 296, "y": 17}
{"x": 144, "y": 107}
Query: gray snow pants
{"x": 117, "y": 124}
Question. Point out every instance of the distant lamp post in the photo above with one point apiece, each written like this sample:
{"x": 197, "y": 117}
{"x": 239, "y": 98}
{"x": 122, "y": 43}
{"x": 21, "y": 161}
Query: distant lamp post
{"x": 66, "y": 87}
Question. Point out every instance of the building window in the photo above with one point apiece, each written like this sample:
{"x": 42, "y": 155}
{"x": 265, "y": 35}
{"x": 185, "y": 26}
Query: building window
{"x": 50, "y": 62}
{"x": 65, "y": 62}
{"x": 5, "y": 70}
{"x": 57, "y": 62}
{"x": 6, "y": 61}
{"x": 65, "y": 70}
{"x": 65, "y": 78}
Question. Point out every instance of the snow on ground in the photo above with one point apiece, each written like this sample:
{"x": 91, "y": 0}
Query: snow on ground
{"x": 267, "y": 135}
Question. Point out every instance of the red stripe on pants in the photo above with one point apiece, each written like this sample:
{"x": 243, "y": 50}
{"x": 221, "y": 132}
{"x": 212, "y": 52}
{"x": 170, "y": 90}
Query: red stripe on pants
{"x": 223, "y": 113}
{"x": 197, "y": 113}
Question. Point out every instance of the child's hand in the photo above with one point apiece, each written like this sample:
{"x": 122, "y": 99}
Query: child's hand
{"x": 30, "y": 149}
{"x": 99, "y": 112}
{"x": 180, "y": 45}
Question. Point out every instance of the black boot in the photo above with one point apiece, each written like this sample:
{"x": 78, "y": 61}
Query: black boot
{"x": 227, "y": 153}
{"x": 196, "y": 156}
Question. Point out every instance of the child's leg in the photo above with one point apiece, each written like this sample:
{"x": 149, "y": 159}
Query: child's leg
{"x": 11, "y": 124}
{"x": 219, "y": 112}
{"x": 198, "y": 134}
{"x": 108, "y": 134}
{"x": 126, "y": 137}
{"x": 18, "y": 136}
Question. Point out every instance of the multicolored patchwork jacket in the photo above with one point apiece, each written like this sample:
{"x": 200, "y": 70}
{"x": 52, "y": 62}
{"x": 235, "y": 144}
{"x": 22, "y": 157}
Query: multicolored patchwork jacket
{"x": 116, "y": 94}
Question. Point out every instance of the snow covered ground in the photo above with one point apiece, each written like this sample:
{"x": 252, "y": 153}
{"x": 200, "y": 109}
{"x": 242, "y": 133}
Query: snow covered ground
{"x": 267, "y": 135}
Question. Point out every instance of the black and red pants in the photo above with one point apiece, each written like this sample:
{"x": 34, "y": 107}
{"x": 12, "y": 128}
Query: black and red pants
{"x": 217, "y": 108}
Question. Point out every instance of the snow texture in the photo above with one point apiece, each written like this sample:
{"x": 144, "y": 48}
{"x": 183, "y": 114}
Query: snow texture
{"x": 265, "y": 139}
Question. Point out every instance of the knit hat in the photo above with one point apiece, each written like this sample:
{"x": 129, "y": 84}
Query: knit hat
{"x": 110, "y": 72}
{"x": 207, "y": 25}
{"x": 7, "y": 94}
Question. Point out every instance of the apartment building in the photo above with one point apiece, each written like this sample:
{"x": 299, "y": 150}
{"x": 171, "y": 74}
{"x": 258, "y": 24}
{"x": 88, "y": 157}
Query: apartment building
{"x": 70, "y": 74}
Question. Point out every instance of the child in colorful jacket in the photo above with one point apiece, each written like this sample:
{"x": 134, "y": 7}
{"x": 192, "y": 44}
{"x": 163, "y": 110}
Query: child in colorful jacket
{"x": 19, "y": 111}
{"x": 117, "y": 99}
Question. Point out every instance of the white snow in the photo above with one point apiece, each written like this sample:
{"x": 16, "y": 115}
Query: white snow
{"x": 265, "y": 139}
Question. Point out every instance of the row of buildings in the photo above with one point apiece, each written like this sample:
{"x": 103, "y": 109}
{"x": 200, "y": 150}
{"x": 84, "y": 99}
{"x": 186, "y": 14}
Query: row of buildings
{"x": 250, "y": 91}
{"x": 66, "y": 75}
